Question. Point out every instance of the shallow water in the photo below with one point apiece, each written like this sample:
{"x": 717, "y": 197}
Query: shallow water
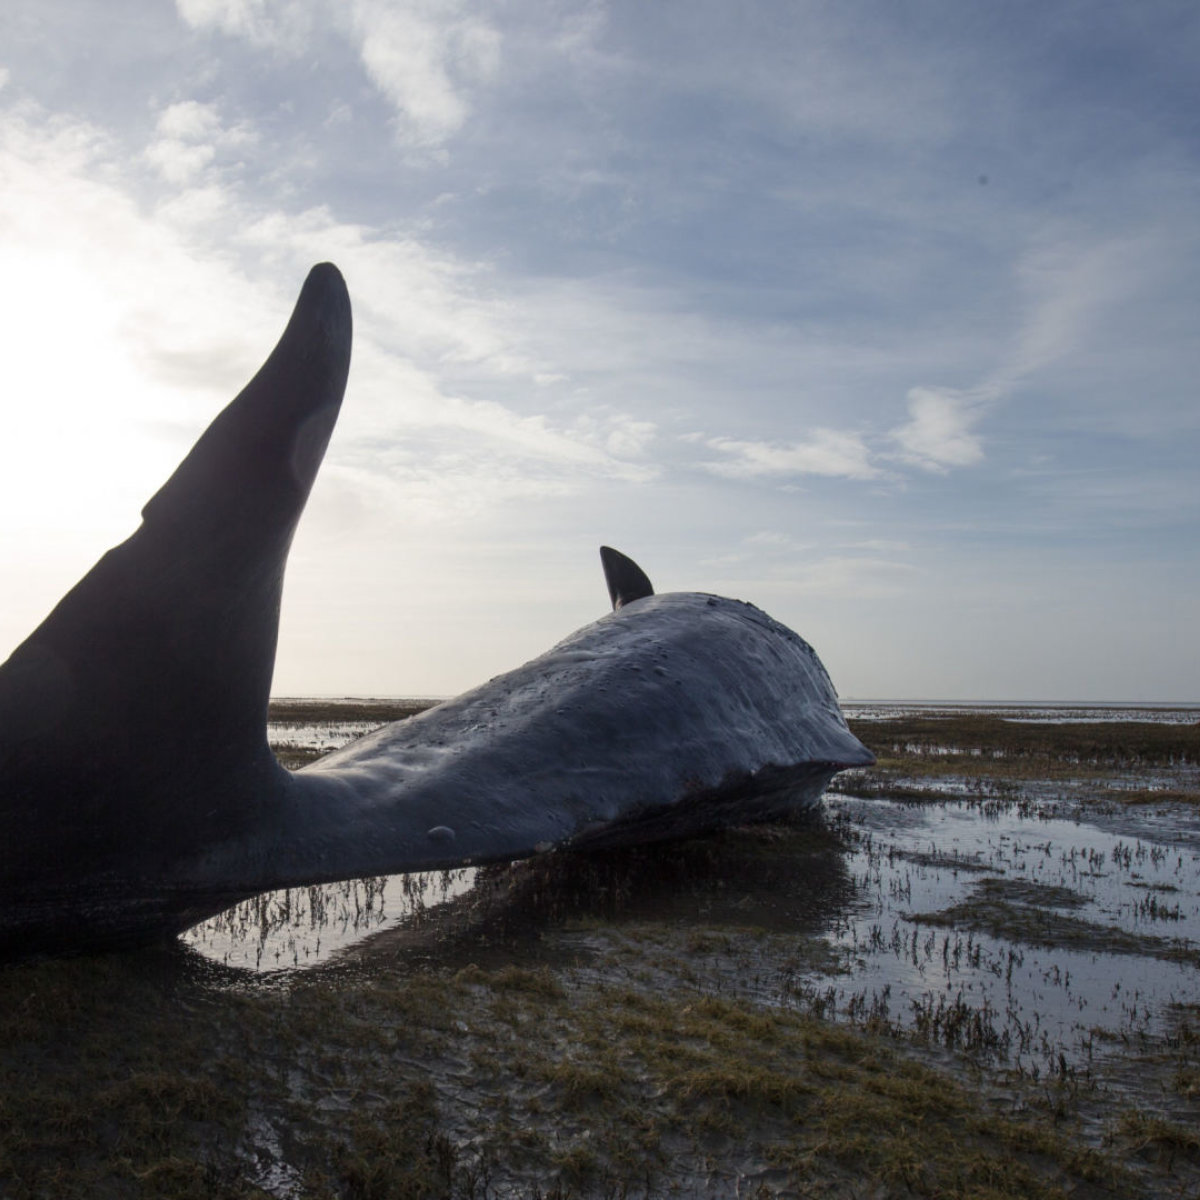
{"x": 1067, "y": 981}
{"x": 300, "y": 928}
{"x": 1033, "y": 928}
{"x": 317, "y": 735}
{"x": 1050, "y": 714}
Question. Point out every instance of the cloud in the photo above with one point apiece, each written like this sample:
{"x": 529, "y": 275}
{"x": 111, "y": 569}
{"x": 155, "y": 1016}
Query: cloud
{"x": 397, "y": 401}
{"x": 620, "y": 434}
{"x": 828, "y": 452}
{"x": 176, "y": 161}
{"x": 280, "y": 24}
{"x": 1068, "y": 286}
{"x": 425, "y": 58}
{"x": 164, "y": 303}
{"x": 771, "y": 539}
{"x": 189, "y": 121}
{"x": 779, "y": 563}
{"x": 938, "y": 434}
{"x": 780, "y": 574}
{"x": 859, "y": 576}
{"x": 189, "y": 136}
{"x": 1065, "y": 287}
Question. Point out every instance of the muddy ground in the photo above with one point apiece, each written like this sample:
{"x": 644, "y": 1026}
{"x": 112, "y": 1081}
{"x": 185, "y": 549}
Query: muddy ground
{"x": 976, "y": 973}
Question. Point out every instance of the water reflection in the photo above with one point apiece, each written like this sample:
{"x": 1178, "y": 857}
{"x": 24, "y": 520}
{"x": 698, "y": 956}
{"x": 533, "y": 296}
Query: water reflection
{"x": 296, "y": 928}
{"x": 1012, "y": 929}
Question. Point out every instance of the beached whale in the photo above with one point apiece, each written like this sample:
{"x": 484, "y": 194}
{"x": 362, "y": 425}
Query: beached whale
{"x": 138, "y": 794}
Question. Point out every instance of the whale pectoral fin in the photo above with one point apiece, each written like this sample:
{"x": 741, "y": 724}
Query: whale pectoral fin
{"x": 147, "y": 685}
{"x": 626, "y": 580}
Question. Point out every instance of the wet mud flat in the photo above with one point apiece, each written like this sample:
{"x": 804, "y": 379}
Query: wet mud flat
{"x": 976, "y": 974}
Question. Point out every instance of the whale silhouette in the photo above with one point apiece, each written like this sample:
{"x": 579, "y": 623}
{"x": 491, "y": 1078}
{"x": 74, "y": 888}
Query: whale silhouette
{"x": 138, "y": 793}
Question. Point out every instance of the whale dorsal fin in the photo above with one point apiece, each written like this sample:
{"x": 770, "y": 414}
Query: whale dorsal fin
{"x": 626, "y": 580}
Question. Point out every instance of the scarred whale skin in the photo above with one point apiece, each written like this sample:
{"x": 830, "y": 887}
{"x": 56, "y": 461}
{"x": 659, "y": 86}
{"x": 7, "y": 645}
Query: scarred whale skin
{"x": 138, "y": 792}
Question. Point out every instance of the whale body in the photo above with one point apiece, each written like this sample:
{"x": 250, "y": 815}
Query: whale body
{"x": 138, "y": 793}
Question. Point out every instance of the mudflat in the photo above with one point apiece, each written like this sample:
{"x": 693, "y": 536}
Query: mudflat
{"x": 975, "y": 975}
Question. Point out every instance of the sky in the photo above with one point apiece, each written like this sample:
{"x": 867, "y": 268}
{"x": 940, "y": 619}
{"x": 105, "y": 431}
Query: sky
{"x": 884, "y": 317}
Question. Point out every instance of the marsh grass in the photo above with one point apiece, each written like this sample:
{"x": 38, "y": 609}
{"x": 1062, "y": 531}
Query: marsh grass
{"x": 1101, "y": 743}
{"x": 315, "y": 712}
{"x": 627, "y": 1075}
{"x": 368, "y": 714}
{"x": 1155, "y": 1138}
{"x": 931, "y": 757}
{"x": 107, "y": 1084}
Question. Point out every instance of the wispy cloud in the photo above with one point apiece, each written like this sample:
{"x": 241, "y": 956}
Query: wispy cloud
{"x": 782, "y": 563}
{"x": 1070, "y": 284}
{"x": 1065, "y": 289}
{"x": 861, "y": 576}
{"x": 828, "y": 452}
{"x": 427, "y": 57}
{"x": 850, "y": 576}
{"x": 278, "y": 24}
{"x": 190, "y": 134}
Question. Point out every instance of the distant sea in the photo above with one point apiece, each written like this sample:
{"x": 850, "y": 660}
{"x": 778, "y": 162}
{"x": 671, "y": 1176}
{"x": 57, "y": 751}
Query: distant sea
{"x": 1041, "y": 711}
{"x": 1166, "y": 712}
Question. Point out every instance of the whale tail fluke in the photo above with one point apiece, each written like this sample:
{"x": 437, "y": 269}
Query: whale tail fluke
{"x": 626, "y": 580}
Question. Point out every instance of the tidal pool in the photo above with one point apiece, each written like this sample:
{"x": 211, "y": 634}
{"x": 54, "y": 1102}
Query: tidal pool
{"x": 300, "y": 928}
{"x": 297, "y": 742}
{"x": 1007, "y": 927}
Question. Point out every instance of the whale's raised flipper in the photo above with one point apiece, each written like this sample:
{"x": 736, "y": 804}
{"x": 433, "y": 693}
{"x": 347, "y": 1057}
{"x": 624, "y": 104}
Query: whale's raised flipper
{"x": 133, "y": 720}
{"x": 626, "y": 580}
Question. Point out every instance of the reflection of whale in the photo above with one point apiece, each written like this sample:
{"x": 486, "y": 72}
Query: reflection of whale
{"x": 137, "y": 791}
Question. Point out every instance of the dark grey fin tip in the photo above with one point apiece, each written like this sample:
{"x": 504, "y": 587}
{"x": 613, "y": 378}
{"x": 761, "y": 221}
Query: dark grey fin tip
{"x": 626, "y": 580}
{"x": 273, "y": 435}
